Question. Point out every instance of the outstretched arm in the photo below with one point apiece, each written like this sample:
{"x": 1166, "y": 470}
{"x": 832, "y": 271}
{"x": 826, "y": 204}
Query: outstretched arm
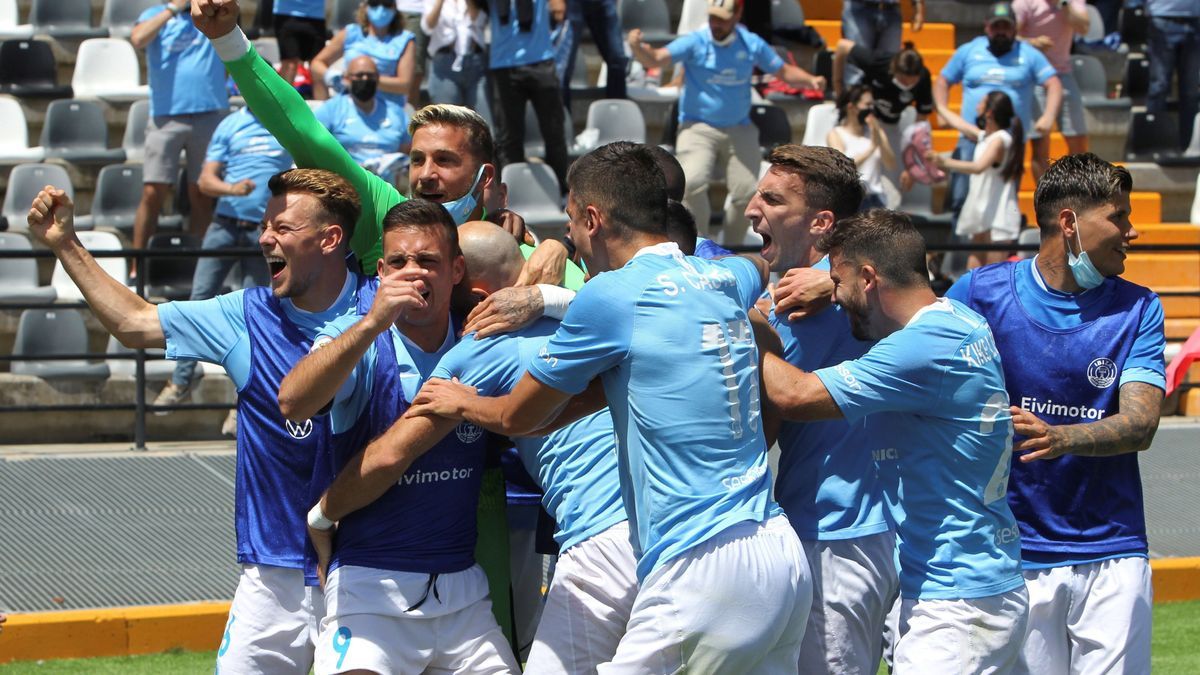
{"x": 796, "y": 394}
{"x": 530, "y": 407}
{"x": 127, "y": 316}
{"x": 1130, "y": 430}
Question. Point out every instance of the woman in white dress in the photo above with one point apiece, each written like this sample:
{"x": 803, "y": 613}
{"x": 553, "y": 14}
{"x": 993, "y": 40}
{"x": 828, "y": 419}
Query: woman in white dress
{"x": 860, "y": 136}
{"x": 990, "y": 213}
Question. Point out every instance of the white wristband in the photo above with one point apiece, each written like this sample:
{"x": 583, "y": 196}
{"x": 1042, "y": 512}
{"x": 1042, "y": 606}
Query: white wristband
{"x": 555, "y": 300}
{"x": 232, "y": 45}
{"x": 317, "y": 519}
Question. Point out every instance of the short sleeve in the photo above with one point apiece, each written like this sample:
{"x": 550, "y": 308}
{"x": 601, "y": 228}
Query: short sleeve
{"x": 1145, "y": 361}
{"x": 478, "y": 363}
{"x": 325, "y": 114}
{"x": 897, "y": 374}
{"x": 149, "y": 13}
{"x": 1042, "y": 68}
{"x": 351, "y": 398}
{"x": 961, "y": 290}
{"x": 765, "y": 57}
{"x": 594, "y": 336}
{"x": 955, "y": 68}
{"x": 749, "y": 279}
{"x": 218, "y": 145}
{"x": 681, "y": 47}
{"x": 205, "y": 330}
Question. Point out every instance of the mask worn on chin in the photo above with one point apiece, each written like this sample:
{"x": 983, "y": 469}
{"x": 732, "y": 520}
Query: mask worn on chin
{"x": 863, "y": 115}
{"x": 1000, "y": 45}
{"x": 363, "y": 90}
{"x": 381, "y": 17}
{"x": 981, "y": 122}
{"x": 1085, "y": 273}
{"x": 901, "y": 87}
{"x": 727, "y": 40}
{"x": 460, "y": 209}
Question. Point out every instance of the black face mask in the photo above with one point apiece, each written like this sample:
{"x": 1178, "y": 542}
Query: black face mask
{"x": 1000, "y": 44}
{"x": 863, "y": 115}
{"x": 363, "y": 90}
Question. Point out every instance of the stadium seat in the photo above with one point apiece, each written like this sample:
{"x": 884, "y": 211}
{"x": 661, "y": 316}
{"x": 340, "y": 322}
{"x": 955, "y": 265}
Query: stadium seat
{"x": 1137, "y": 79}
{"x": 821, "y": 120}
{"x": 134, "y": 140}
{"x": 28, "y": 70}
{"x": 52, "y": 332}
{"x": 108, "y": 68}
{"x": 64, "y": 19}
{"x": 533, "y": 192}
{"x": 1195, "y": 217}
{"x": 75, "y": 131}
{"x": 535, "y": 145}
{"x": 342, "y": 14}
{"x": 774, "y": 129}
{"x": 158, "y": 369}
{"x": 652, "y": 16}
{"x": 1135, "y": 27}
{"x": 24, "y": 183}
{"x": 1152, "y": 138}
{"x": 117, "y": 268}
{"x": 611, "y": 120}
{"x": 640, "y": 85}
{"x": 918, "y": 204}
{"x": 1093, "y": 83}
{"x": 581, "y": 88}
{"x": 693, "y": 16}
{"x": 120, "y": 15}
{"x": 9, "y": 28}
{"x": 14, "y": 134}
{"x": 823, "y": 66}
{"x": 1096, "y": 30}
{"x": 786, "y": 13}
{"x": 1030, "y": 236}
{"x": 118, "y": 192}
{"x": 170, "y": 278}
{"x": 268, "y": 48}
{"x": 670, "y": 127}
{"x": 19, "y": 276}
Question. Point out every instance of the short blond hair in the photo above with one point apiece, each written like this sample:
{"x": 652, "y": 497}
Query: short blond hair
{"x": 337, "y": 198}
{"x": 479, "y": 134}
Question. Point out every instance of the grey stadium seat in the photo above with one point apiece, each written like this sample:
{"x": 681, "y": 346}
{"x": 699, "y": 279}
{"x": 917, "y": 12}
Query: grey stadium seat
{"x": 69, "y": 19}
{"x": 533, "y": 192}
{"x": 75, "y": 131}
{"x": 19, "y": 276}
{"x": 28, "y": 70}
{"x": 170, "y": 278}
{"x": 24, "y": 183}
{"x": 49, "y": 332}
{"x": 535, "y": 145}
{"x": 157, "y": 370}
{"x": 120, "y": 15}
{"x": 652, "y": 16}
{"x": 1093, "y": 83}
{"x": 342, "y": 14}
{"x": 614, "y": 120}
{"x": 118, "y": 192}
{"x": 134, "y": 140}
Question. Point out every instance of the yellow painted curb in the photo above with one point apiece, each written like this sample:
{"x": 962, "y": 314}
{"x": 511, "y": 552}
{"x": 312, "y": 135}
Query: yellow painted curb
{"x": 1175, "y": 579}
{"x": 113, "y": 632}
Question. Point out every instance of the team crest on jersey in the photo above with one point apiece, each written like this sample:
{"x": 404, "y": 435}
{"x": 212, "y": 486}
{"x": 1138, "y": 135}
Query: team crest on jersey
{"x": 1102, "y": 373}
{"x": 298, "y": 430}
{"x": 468, "y": 433}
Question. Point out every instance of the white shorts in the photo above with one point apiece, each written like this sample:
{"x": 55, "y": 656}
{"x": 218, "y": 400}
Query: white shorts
{"x": 588, "y": 606}
{"x": 399, "y": 622}
{"x": 736, "y": 603}
{"x": 272, "y": 623}
{"x": 1092, "y": 618}
{"x": 961, "y": 637}
{"x": 854, "y": 586}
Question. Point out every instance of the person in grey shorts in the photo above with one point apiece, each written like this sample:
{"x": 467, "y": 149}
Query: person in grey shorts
{"x": 187, "y": 101}
{"x": 1051, "y": 25}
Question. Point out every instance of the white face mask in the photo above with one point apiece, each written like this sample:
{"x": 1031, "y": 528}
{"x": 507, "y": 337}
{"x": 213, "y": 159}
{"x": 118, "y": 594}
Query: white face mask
{"x": 727, "y": 40}
{"x": 901, "y": 87}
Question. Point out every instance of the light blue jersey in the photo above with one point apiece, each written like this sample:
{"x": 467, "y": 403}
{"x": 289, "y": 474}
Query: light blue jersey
{"x": 670, "y": 339}
{"x": 512, "y": 46}
{"x": 827, "y": 482}
{"x": 185, "y": 73}
{"x": 576, "y": 466}
{"x": 386, "y": 52}
{"x": 366, "y": 136}
{"x": 414, "y": 366}
{"x": 214, "y": 330}
{"x": 306, "y": 9}
{"x": 247, "y": 150}
{"x": 937, "y": 387}
{"x": 716, "y": 79}
{"x": 980, "y": 72}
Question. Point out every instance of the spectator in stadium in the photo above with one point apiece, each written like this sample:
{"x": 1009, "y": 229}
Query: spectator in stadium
{"x": 1051, "y": 26}
{"x": 413, "y": 11}
{"x": 877, "y": 26}
{"x": 403, "y": 579}
{"x": 995, "y": 61}
{"x": 679, "y": 218}
{"x": 827, "y": 481}
{"x": 1082, "y": 351}
{"x": 600, "y": 17}
{"x": 300, "y": 30}
{"x": 860, "y": 136}
{"x": 187, "y": 101}
{"x": 242, "y": 157}
{"x": 933, "y": 382}
{"x": 1173, "y": 47}
{"x": 714, "y": 108}
{"x": 372, "y": 128}
{"x": 990, "y": 213}
{"x": 256, "y": 335}
{"x": 378, "y": 32}
{"x": 458, "y": 64}
{"x": 707, "y": 527}
{"x": 523, "y": 73}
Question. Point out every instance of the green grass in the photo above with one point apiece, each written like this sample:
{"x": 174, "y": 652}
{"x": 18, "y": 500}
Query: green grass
{"x": 1176, "y": 652}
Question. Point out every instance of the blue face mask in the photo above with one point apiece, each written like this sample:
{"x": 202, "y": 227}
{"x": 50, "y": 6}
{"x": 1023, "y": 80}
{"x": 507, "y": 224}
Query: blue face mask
{"x": 381, "y": 17}
{"x": 461, "y": 209}
{"x": 1085, "y": 273}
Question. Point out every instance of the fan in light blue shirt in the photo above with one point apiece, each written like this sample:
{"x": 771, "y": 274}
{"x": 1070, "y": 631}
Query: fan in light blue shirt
{"x": 716, "y": 78}
{"x": 247, "y": 151}
{"x": 368, "y": 136}
{"x": 307, "y": 9}
{"x": 186, "y": 76}
{"x": 1015, "y": 73}
{"x": 514, "y": 46}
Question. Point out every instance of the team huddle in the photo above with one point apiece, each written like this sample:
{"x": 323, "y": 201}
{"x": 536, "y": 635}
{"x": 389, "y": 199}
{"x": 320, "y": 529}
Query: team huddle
{"x": 957, "y": 489}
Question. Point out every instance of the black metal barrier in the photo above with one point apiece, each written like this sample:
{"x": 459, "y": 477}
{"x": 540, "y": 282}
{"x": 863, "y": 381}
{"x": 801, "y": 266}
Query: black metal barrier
{"x": 140, "y": 407}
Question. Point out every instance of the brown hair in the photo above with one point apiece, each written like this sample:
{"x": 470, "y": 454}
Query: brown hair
{"x": 887, "y": 240}
{"x": 907, "y": 61}
{"x": 1077, "y": 182}
{"x": 422, "y": 214}
{"x": 337, "y": 198}
{"x": 831, "y": 180}
{"x": 479, "y": 134}
{"x": 393, "y": 28}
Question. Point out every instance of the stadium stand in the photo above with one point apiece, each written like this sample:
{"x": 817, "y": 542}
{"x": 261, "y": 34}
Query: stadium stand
{"x": 1093, "y": 83}
{"x": 55, "y": 332}
{"x": 9, "y": 28}
{"x": 171, "y": 278}
{"x": 786, "y": 13}
{"x": 821, "y": 119}
{"x": 611, "y": 120}
{"x": 118, "y": 188}
{"x": 116, "y": 268}
{"x": 652, "y": 16}
{"x": 19, "y": 276}
{"x": 1137, "y": 79}
{"x": 28, "y": 70}
{"x": 14, "y": 134}
{"x": 75, "y": 131}
{"x": 342, "y": 14}
{"x": 773, "y": 127}
{"x": 24, "y": 183}
{"x": 158, "y": 370}
{"x": 533, "y": 192}
{"x": 107, "y": 68}
{"x": 535, "y": 145}
{"x": 133, "y": 140}
{"x": 64, "y": 19}
{"x": 120, "y": 15}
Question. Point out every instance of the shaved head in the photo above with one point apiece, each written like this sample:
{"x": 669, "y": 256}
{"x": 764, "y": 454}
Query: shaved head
{"x": 362, "y": 64}
{"x": 494, "y": 259}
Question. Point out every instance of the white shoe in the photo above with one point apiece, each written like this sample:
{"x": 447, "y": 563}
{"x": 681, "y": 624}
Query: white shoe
{"x": 172, "y": 394}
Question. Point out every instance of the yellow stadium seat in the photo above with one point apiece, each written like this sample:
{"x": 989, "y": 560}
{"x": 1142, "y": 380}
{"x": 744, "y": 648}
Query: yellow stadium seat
{"x": 1147, "y": 208}
{"x": 1182, "y": 307}
{"x": 934, "y": 36}
{"x": 944, "y": 140}
{"x": 1168, "y": 233}
{"x": 1189, "y": 402}
{"x": 1181, "y": 329}
{"x": 1164, "y": 270}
